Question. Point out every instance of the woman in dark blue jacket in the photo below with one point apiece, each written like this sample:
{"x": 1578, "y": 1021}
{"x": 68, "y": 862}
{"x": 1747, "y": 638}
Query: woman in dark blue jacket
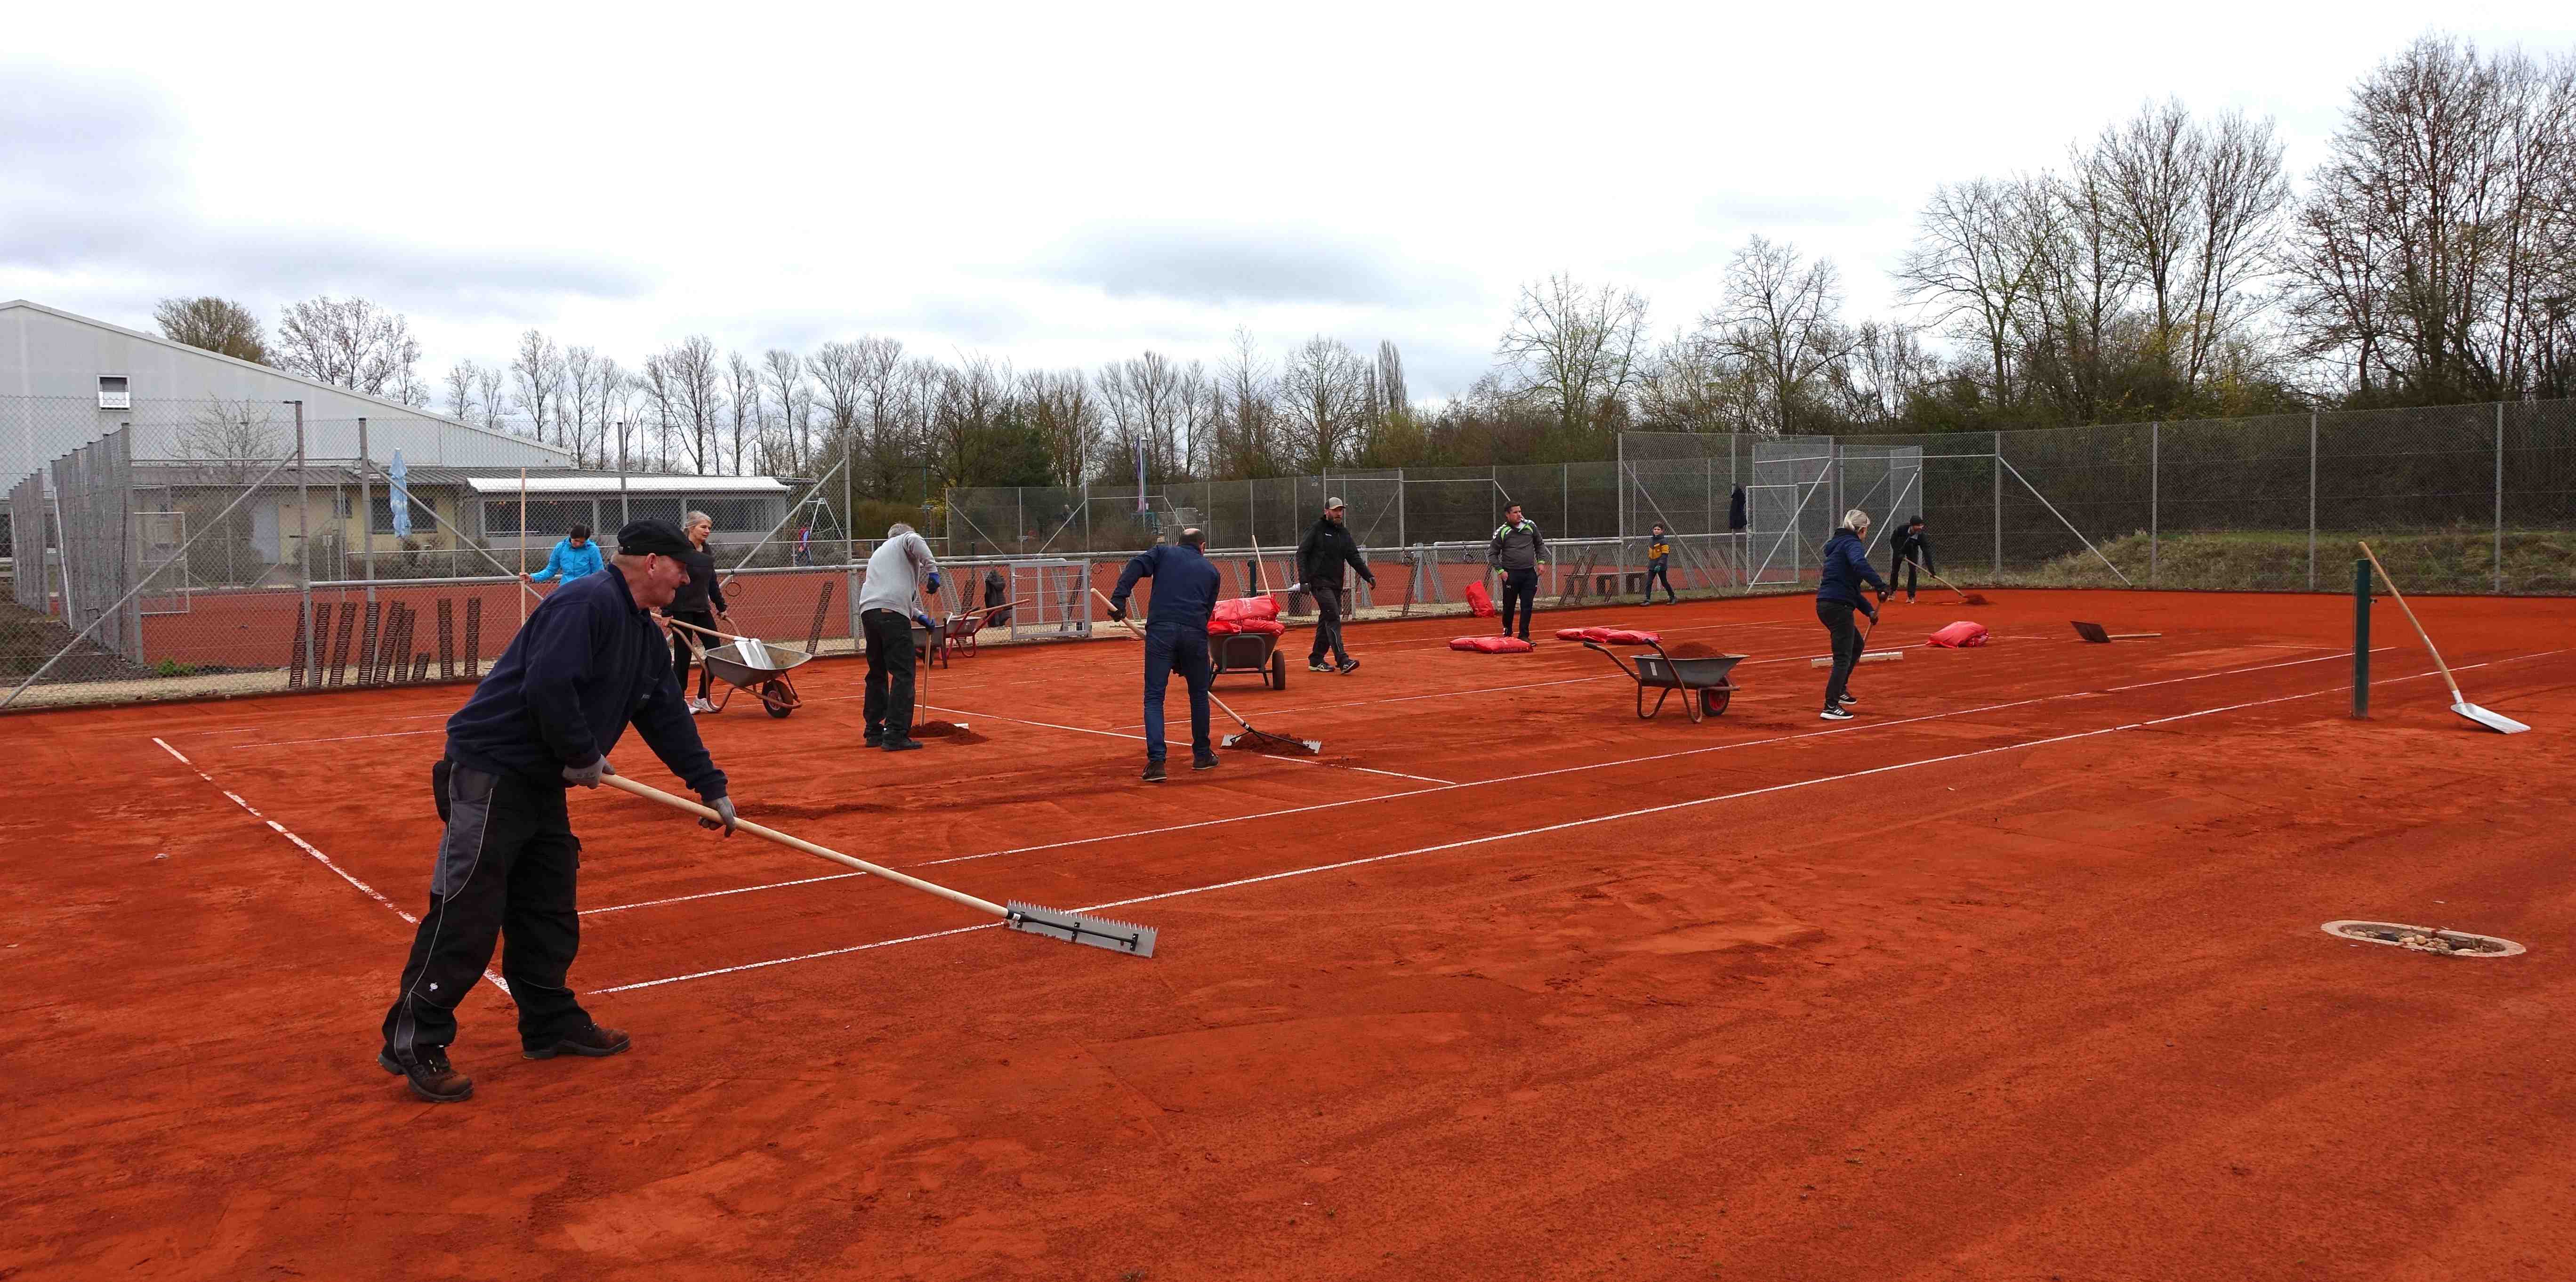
{"x": 1838, "y": 595}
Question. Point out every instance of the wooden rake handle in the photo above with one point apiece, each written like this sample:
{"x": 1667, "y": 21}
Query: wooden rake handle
{"x": 2456, "y": 697}
{"x": 650, "y": 793}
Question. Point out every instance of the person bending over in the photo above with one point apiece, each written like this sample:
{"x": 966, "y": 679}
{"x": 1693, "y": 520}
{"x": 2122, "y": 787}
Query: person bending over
{"x": 1176, "y": 639}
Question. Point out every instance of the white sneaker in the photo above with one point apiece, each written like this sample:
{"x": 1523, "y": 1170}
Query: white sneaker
{"x": 701, "y": 705}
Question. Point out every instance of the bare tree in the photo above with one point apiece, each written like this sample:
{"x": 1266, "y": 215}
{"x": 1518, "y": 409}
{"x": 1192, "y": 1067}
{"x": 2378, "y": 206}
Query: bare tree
{"x": 1248, "y": 420}
{"x": 1320, "y": 390}
{"x": 1970, "y": 262}
{"x": 1065, "y": 415}
{"x": 1781, "y": 321}
{"x": 462, "y": 379}
{"x": 216, "y": 324}
{"x": 742, "y": 389}
{"x": 1146, "y": 407}
{"x": 782, "y": 375}
{"x": 349, "y": 343}
{"x": 1390, "y": 375}
{"x": 1576, "y": 348}
{"x": 2194, "y": 210}
{"x": 538, "y": 374}
{"x": 579, "y": 412}
{"x": 695, "y": 376}
{"x": 492, "y": 389}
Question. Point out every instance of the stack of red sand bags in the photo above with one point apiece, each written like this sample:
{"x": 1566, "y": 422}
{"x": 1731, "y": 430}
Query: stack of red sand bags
{"x": 1246, "y": 614}
{"x": 1958, "y": 636}
{"x": 1610, "y": 636}
{"x": 1492, "y": 645}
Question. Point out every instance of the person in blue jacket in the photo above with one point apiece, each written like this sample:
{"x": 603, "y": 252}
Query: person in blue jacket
{"x": 574, "y": 556}
{"x": 1176, "y": 639}
{"x": 1838, "y": 596}
{"x": 589, "y": 661}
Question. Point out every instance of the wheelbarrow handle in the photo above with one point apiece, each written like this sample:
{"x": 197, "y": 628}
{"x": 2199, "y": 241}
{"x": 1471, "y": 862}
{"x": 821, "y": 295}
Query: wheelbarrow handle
{"x": 677, "y": 623}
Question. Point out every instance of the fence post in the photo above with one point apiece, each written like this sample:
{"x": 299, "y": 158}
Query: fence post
{"x": 1999, "y": 504}
{"x": 1565, "y": 499}
{"x": 367, "y": 529}
{"x": 2155, "y": 456}
{"x": 1621, "y": 457}
{"x": 1399, "y": 508}
{"x": 2499, "y": 497}
{"x": 1252, "y": 510}
{"x": 2360, "y": 639}
{"x": 1019, "y": 519}
{"x": 2312, "y": 500}
{"x": 304, "y": 545}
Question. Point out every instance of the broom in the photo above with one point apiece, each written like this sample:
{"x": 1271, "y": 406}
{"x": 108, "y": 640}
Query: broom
{"x": 1965, "y": 598}
{"x": 1077, "y": 928}
{"x": 1255, "y": 740}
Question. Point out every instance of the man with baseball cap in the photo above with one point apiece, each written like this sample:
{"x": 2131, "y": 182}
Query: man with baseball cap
{"x": 1320, "y": 558}
{"x": 589, "y": 660}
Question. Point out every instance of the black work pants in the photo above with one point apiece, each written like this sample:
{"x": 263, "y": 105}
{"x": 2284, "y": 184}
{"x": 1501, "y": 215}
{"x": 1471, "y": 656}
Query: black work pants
{"x": 506, "y": 869}
{"x": 1520, "y": 587}
{"x": 891, "y": 654}
{"x": 1328, "y": 623}
{"x": 681, "y": 649}
{"x": 1655, "y": 570}
{"x": 1837, "y": 618}
{"x": 1170, "y": 648}
{"x": 1912, "y": 576}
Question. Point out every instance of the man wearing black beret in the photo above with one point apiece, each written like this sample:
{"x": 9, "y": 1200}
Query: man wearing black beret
{"x": 587, "y": 662}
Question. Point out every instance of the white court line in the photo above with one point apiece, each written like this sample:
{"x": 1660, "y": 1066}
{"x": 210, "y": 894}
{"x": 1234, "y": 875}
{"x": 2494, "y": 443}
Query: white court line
{"x": 342, "y": 738}
{"x": 1696, "y": 627}
{"x": 1556, "y": 827}
{"x": 1449, "y": 787}
{"x": 308, "y": 848}
{"x": 1114, "y": 734}
{"x": 1410, "y": 698}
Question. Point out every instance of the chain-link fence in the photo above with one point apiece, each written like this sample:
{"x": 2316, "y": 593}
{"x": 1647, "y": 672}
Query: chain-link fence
{"x": 141, "y": 575}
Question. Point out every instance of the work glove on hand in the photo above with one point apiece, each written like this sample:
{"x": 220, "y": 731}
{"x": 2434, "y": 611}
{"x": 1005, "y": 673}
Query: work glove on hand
{"x": 588, "y": 776}
{"x": 1118, "y": 610}
{"x": 933, "y": 581}
{"x": 723, "y": 806}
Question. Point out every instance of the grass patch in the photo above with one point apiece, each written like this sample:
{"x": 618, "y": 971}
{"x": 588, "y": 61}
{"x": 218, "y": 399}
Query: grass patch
{"x": 2535, "y": 562}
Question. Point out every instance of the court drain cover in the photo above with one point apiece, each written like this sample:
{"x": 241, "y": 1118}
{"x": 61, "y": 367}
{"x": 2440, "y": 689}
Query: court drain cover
{"x": 2423, "y": 939}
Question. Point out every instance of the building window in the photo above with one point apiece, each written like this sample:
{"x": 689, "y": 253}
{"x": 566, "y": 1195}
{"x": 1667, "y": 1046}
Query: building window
{"x": 737, "y": 517}
{"x": 380, "y": 516}
{"x": 113, "y": 393}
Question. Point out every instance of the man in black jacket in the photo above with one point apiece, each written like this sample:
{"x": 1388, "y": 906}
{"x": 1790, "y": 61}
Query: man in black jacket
{"x": 1320, "y": 558}
{"x": 588, "y": 661}
{"x": 1913, "y": 548}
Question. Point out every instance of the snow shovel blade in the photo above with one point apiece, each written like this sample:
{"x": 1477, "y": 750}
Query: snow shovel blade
{"x": 2093, "y": 632}
{"x": 1251, "y": 738}
{"x": 1076, "y": 928}
{"x": 2495, "y": 721}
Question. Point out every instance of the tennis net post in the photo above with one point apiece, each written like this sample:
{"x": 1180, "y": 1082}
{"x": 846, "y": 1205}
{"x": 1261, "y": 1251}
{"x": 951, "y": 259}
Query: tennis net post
{"x": 2360, "y": 640}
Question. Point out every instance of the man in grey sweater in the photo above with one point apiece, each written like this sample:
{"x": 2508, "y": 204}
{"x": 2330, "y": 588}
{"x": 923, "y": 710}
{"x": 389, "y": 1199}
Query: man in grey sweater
{"x": 898, "y": 571}
{"x": 1516, "y": 552}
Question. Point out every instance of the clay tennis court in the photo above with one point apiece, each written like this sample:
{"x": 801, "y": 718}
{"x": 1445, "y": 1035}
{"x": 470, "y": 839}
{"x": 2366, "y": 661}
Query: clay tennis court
{"x": 2018, "y": 975}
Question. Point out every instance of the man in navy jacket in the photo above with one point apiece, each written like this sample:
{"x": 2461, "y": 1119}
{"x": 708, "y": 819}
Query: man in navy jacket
{"x": 1176, "y": 639}
{"x": 589, "y": 661}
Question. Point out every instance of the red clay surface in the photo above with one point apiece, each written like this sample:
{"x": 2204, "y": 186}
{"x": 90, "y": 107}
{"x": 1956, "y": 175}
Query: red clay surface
{"x": 2016, "y": 976}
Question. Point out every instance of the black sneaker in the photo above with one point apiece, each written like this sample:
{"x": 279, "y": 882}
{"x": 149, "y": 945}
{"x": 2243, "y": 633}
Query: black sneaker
{"x": 905, "y": 744}
{"x": 1203, "y": 761}
{"x": 431, "y": 1077}
{"x": 1349, "y": 666}
{"x": 874, "y": 739}
{"x": 1849, "y": 699}
{"x": 590, "y": 1041}
{"x": 1834, "y": 712}
{"x": 1318, "y": 665}
{"x": 1153, "y": 772}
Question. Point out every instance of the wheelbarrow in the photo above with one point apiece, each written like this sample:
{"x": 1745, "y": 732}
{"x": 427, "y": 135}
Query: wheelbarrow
{"x": 1254, "y": 652}
{"x": 1704, "y": 682}
{"x": 743, "y": 663}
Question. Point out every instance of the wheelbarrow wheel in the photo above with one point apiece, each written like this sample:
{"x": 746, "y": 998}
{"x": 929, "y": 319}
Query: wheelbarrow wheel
{"x": 1713, "y": 699}
{"x": 777, "y": 697}
{"x": 1278, "y": 670}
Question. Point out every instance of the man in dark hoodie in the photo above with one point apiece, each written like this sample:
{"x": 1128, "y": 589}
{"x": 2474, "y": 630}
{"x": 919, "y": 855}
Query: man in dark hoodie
{"x": 1912, "y": 548}
{"x": 1176, "y": 638}
{"x": 1838, "y": 595}
{"x": 1516, "y": 551}
{"x": 589, "y": 661}
{"x": 1320, "y": 558}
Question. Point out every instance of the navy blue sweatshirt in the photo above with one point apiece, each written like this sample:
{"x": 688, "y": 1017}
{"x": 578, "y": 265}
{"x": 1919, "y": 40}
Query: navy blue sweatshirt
{"x": 588, "y": 662}
{"x": 1185, "y": 584}
{"x": 1846, "y": 565}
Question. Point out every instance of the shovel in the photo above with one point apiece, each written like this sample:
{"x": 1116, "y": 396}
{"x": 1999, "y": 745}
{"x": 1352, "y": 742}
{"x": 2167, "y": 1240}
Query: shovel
{"x": 1076, "y": 928}
{"x": 2094, "y": 633}
{"x": 2497, "y": 722}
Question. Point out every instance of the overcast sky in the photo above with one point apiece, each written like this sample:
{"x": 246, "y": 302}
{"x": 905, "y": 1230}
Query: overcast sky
{"x": 1064, "y": 185}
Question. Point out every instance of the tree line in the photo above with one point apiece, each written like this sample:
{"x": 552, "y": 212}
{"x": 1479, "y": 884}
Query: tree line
{"x": 2167, "y": 266}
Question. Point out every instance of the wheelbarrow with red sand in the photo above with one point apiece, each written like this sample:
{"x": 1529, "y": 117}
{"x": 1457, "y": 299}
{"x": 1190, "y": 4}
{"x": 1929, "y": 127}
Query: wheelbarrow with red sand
{"x": 1705, "y": 682}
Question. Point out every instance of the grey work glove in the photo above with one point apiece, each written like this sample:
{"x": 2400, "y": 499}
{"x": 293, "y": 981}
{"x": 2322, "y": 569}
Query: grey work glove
{"x": 588, "y": 776}
{"x": 723, "y": 806}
